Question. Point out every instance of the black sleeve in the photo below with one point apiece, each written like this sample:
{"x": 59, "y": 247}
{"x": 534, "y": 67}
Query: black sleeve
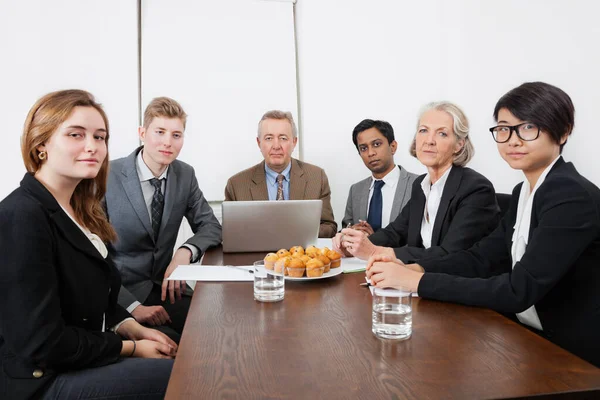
{"x": 32, "y": 325}
{"x": 476, "y": 216}
{"x": 396, "y": 233}
{"x": 568, "y": 223}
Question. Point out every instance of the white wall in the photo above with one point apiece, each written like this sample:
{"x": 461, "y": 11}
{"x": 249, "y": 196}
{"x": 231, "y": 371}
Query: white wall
{"x": 227, "y": 62}
{"x": 53, "y": 45}
{"x": 384, "y": 59}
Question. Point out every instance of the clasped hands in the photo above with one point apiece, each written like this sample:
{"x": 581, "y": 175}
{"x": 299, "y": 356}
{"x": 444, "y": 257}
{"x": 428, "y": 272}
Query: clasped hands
{"x": 353, "y": 242}
{"x": 389, "y": 272}
{"x": 150, "y": 343}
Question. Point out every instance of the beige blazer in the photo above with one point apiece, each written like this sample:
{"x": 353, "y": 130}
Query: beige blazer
{"x": 307, "y": 182}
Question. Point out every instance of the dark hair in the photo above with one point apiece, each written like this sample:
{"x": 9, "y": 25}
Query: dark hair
{"x": 545, "y": 105}
{"x": 382, "y": 126}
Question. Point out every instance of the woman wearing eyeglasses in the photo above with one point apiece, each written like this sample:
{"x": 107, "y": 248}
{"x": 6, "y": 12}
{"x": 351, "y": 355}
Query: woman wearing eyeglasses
{"x": 543, "y": 261}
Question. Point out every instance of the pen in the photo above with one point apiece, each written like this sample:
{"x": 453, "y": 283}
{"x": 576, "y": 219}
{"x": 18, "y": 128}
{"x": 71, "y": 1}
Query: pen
{"x": 235, "y": 266}
{"x": 365, "y": 284}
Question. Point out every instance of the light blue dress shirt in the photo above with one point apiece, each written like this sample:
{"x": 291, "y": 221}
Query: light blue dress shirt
{"x": 271, "y": 177}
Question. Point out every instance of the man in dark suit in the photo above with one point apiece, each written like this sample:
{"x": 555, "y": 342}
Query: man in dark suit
{"x": 377, "y": 200}
{"x": 149, "y": 193}
{"x": 279, "y": 176}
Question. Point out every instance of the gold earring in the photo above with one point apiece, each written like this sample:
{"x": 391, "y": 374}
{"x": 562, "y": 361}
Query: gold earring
{"x": 42, "y": 155}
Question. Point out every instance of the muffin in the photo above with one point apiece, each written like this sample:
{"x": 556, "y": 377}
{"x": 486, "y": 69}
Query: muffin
{"x": 326, "y": 262}
{"x": 311, "y": 251}
{"x": 296, "y": 268}
{"x": 283, "y": 253}
{"x": 297, "y": 250}
{"x": 336, "y": 258}
{"x": 314, "y": 268}
{"x": 282, "y": 264}
{"x": 324, "y": 251}
{"x": 270, "y": 260}
{"x": 305, "y": 258}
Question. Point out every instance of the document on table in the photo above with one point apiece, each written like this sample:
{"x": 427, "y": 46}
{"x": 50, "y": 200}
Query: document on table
{"x": 353, "y": 264}
{"x": 212, "y": 273}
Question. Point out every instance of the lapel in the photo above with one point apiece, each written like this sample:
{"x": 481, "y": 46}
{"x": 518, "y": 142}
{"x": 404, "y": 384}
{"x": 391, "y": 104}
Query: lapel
{"x": 170, "y": 196}
{"x": 258, "y": 190}
{"x": 450, "y": 189}
{"x": 70, "y": 231}
{"x": 133, "y": 189}
{"x": 297, "y": 181}
{"x": 363, "y": 199}
{"x": 417, "y": 208}
{"x": 400, "y": 192}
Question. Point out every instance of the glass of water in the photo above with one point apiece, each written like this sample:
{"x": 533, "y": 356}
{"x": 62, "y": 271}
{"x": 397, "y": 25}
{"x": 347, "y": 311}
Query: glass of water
{"x": 268, "y": 284}
{"x": 392, "y": 314}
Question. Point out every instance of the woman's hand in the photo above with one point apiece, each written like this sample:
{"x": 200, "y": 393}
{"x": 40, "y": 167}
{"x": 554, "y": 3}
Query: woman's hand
{"x": 387, "y": 272}
{"x": 147, "y": 349}
{"x": 133, "y": 330}
{"x": 358, "y": 244}
{"x": 336, "y": 244}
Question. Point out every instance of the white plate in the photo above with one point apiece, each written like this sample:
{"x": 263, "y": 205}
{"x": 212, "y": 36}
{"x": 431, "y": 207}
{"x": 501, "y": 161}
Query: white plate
{"x": 332, "y": 272}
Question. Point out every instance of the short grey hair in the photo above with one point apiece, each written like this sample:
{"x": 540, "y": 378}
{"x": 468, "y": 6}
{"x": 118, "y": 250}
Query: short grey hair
{"x": 277, "y": 114}
{"x": 460, "y": 128}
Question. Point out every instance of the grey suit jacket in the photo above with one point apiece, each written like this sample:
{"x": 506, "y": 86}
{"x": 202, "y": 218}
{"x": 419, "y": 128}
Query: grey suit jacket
{"x": 139, "y": 258}
{"x": 358, "y": 198}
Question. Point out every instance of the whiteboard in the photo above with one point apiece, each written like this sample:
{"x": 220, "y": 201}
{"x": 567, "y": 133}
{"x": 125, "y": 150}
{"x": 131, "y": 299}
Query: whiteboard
{"x": 52, "y": 45}
{"x": 226, "y": 62}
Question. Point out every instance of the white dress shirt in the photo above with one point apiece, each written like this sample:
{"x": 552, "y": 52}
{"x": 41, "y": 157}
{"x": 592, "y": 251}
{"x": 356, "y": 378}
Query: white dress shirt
{"x": 433, "y": 196}
{"x": 521, "y": 237}
{"x": 145, "y": 175}
{"x": 388, "y": 191}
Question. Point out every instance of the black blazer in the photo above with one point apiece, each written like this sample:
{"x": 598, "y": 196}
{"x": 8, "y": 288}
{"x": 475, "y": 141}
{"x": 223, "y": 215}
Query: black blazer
{"x": 54, "y": 291}
{"x": 559, "y": 272}
{"x": 468, "y": 211}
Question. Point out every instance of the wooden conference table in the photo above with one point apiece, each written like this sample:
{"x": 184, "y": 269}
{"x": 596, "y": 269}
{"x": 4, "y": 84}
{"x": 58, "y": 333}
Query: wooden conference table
{"x": 317, "y": 344}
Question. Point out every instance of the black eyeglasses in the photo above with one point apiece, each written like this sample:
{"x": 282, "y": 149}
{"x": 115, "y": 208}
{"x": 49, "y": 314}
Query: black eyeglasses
{"x": 525, "y": 131}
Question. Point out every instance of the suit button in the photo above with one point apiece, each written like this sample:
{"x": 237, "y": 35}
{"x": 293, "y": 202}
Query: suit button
{"x": 38, "y": 373}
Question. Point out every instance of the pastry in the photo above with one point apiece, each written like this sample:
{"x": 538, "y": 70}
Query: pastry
{"x": 282, "y": 264}
{"x": 336, "y": 258}
{"x": 314, "y": 268}
{"x": 296, "y": 268}
{"x": 283, "y": 253}
{"x": 326, "y": 262}
{"x": 270, "y": 260}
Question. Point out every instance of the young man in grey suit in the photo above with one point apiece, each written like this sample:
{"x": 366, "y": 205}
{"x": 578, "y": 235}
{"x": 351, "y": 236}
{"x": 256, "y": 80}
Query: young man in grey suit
{"x": 375, "y": 201}
{"x": 149, "y": 193}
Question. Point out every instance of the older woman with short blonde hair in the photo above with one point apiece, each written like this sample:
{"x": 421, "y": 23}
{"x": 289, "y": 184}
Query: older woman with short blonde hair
{"x": 451, "y": 207}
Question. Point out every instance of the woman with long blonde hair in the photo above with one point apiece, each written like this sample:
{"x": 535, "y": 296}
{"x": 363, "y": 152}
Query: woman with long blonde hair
{"x": 62, "y": 333}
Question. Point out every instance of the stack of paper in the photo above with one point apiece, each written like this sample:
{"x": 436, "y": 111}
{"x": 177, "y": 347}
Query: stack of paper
{"x": 353, "y": 264}
{"x": 212, "y": 273}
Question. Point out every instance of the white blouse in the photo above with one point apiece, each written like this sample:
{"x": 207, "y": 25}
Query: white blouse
{"x": 433, "y": 197}
{"x": 521, "y": 237}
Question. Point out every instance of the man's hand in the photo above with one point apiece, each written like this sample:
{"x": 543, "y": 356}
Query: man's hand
{"x": 151, "y": 315}
{"x": 175, "y": 288}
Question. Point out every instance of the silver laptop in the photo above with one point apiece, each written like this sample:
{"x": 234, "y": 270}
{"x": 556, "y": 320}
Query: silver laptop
{"x": 270, "y": 225}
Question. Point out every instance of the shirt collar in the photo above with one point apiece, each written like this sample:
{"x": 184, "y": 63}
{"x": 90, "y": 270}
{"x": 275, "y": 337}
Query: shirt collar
{"x": 144, "y": 172}
{"x": 272, "y": 175}
{"x": 391, "y": 179}
{"x": 426, "y": 183}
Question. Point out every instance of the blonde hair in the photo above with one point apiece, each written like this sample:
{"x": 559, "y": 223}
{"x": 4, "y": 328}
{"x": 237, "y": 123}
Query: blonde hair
{"x": 44, "y": 118}
{"x": 164, "y": 107}
{"x": 460, "y": 127}
{"x": 277, "y": 114}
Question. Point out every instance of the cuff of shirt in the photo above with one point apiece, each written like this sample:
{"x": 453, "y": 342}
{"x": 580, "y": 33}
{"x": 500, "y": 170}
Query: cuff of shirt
{"x": 195, "y": 252}
{"x": 117, "y": 326}
{"x": 133, "y": 306}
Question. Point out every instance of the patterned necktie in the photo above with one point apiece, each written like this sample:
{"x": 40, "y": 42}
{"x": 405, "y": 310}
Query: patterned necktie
{"x": 158, "y": 201}
{"x": 280, "y": 179}
{"x": 374, "y": 217}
